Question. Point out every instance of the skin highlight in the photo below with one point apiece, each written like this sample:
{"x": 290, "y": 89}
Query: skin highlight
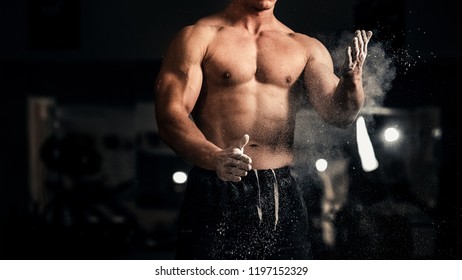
{"x": 227, "y": 92}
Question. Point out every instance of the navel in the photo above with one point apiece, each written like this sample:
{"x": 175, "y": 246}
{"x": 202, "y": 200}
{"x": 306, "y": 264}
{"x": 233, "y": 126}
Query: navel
{"x": 288, "y": 79}
{"x": 226, "y": 75}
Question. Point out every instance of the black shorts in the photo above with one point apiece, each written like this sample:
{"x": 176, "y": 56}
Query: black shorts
{"x": 262, "y": 217}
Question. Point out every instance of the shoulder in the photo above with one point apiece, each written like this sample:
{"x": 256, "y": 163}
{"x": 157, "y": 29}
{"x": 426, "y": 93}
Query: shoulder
{"x": 193, "y": 39}
{"x": 195, "y": 33}
{"x": 312, "y": 45}
{"x": 309, "y": 42}
{"x": 204, "y": 28}
{"x": 190, "y": 43}
{"x": 315, "y": 49}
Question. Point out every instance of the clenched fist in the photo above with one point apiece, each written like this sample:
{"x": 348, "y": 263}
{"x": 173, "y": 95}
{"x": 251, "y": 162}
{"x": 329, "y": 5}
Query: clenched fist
{"x": 232, "y": 163}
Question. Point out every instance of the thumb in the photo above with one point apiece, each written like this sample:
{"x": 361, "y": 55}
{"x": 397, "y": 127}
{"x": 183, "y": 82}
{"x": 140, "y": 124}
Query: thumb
{"x": 243, "y": 142}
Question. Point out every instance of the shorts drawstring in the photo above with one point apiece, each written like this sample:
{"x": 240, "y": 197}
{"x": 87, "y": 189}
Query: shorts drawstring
{"x": 276, "y": 199}
{"x": 259, "y": 212}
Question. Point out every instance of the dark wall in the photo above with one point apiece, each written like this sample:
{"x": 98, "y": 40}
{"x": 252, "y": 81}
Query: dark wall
{"x": 127, "y": 30}
{"x": 111, "y": 50}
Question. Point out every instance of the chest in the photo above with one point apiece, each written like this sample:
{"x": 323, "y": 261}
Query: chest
{"x": 270, "y": 57}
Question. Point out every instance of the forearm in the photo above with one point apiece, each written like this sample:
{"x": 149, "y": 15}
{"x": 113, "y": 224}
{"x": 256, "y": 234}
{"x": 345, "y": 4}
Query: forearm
{"x": 347, "y": 100}
{"x": 349, "y": 95}
{"x": 185, "y": 139}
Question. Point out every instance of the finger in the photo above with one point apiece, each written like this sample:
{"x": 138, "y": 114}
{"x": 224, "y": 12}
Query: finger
{"x": 348, "y": 62}
{"x": 350, "y": 58}
{"x": 358, "y": 35}
{"x": 243, "y": 142}
{"x": 231, "y": 177}
{"x": 356, "y": 45}
{"x": 242, "y": 157}
{"x": 232, "y": 162}
{"x": 360, "y": 40}
{"x": 364, "y": 39}
{"x": 238, "y": 172}
{"x": 368, "y": 37}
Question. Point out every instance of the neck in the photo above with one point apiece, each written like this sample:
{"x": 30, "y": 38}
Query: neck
{"x": 254, "y": 19}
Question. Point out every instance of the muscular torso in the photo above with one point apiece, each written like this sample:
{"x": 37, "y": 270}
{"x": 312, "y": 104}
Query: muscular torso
{"x": 251, "y": 85}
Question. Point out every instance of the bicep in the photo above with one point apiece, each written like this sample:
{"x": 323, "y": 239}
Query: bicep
{"x": 176, "y": 90}
{"x": 320, "y": 79}
{"x": 179, "y": 81}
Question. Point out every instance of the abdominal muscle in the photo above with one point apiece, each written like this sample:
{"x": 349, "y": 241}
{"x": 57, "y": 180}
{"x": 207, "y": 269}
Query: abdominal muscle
{"x": 263, "y": 112}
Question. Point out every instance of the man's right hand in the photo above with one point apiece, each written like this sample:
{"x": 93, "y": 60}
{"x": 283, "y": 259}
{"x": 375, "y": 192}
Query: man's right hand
{"x": 232, "y": 163}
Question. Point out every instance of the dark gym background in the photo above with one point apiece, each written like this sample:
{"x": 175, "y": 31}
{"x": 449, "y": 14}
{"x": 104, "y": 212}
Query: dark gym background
{"x": 76, "y": 91}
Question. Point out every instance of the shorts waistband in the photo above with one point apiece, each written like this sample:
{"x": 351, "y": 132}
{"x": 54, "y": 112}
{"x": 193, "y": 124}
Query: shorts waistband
{"x": 281, "y": 171}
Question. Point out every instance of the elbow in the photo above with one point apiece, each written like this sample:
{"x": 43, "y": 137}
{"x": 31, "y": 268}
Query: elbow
{"x": 162, "y": 131}
{"x": 164, "y": 134}
{"x": 343, "y": 113}
{"x": 162, "y": 125}
{"x": 341, "y": 119}
{"x": 343, "y": 123}
{"x": 346, "y": 117}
